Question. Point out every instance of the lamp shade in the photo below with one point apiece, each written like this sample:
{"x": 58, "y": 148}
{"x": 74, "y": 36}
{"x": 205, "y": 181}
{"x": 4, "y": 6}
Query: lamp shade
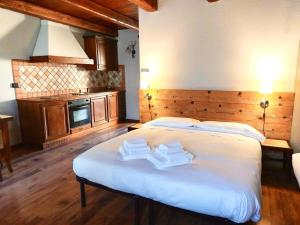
{"x": 145, "y": 78}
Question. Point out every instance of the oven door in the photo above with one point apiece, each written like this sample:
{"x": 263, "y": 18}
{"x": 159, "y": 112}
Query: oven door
{"x": 79, "y": 115}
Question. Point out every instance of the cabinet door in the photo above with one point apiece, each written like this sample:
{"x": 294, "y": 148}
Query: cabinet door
{"x": 113, "y": 107}
{"x": 104, "y": 51}
{"x": 55, "y": 120}
{"x": 101, "y": 49}
{"x": 99, "y": 111}
{"x": 111, "y": 54}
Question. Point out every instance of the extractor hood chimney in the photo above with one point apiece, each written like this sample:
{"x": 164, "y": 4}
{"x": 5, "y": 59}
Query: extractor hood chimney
{"x": 57, "y": 44}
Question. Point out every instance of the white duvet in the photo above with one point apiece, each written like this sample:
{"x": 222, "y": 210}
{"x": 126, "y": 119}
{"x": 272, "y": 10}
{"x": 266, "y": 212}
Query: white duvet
{"x": 223, "y": 180}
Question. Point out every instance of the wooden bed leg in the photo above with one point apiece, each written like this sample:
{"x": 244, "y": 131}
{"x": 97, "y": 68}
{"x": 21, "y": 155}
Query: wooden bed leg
{"x": 136, "y": 210}
{"x": 151, "y": 213}
{"x": 82, "y": 194}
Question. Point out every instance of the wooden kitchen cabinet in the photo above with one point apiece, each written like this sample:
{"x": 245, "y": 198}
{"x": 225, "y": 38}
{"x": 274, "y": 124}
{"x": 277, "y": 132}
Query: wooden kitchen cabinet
{"x": 43, "y": 121}
{"x": 104, "y": 52}
{"x": 113, "y": 112}
{"x": 99, "y": 110}
{"x": 55, "y": 120}
{"x": 105, "y": 109}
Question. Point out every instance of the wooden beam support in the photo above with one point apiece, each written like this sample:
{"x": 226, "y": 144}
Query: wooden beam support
{"x": 148, "y": 5}
{"x": 62, "y": 60}
{"x": 43, "y": 13}
{"x": 104, "y": 13}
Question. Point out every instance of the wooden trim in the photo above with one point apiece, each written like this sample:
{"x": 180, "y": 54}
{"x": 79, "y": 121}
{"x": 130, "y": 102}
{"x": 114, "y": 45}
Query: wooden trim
{"x": 44, "y": 115}
{"x": 81, "y": 128}
{"x": 148, "y": 5}
{"x": 131, "y": 121}
{"x": 43, "y": 13}
{"x": 234, "y": 106}
{"x": 62, "y": 60}
{"x": 74, "y": 136}
{"x": 104, "y": 13}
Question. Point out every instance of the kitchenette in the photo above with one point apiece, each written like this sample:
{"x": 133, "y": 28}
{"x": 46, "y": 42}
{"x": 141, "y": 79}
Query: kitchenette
{"x": 65, "y": 90}
{"x": 50, "y": 121}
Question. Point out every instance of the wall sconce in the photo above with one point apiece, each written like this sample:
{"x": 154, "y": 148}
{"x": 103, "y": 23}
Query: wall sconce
{"x": 266, "y": 89}
{"x": 148, "y": 96}
{"x": 268, "y": 69}
{"x": 145, "y": 84}
{"x": 131, "y": 49}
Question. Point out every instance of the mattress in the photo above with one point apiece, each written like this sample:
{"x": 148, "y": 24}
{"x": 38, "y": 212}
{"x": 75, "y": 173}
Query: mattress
{"x": 296, "y": 166}
{"x": 224, "y": 179}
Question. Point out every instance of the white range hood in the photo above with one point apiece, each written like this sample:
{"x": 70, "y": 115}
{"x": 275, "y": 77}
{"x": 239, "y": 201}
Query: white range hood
{"x": 56, "y": 43}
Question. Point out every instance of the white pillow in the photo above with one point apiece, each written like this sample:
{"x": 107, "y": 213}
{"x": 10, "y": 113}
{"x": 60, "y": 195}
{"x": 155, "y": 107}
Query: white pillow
{"x": 178, "y": 122}
{"x": 231, "y": 128}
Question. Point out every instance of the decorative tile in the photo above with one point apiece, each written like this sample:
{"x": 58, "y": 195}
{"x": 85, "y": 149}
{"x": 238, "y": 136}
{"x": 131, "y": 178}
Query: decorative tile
{"x": 42, "y": 79}
{"x": 114, "y": 79}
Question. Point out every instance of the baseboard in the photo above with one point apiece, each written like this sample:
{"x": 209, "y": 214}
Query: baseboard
{"x": 131, "y": 121}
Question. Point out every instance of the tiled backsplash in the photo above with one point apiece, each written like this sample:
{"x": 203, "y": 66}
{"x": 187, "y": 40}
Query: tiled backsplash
{"x": 43, "y": 79}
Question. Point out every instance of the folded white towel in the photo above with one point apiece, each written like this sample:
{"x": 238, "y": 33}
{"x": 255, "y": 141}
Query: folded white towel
{"x": 135, "y": 142}
{"x": 136, "y": 150}
{"x": 128, "y": 156}
{"x": 170, "y": 148}
{"x": 161, "y": 162}
{"x": 173, "y": 157}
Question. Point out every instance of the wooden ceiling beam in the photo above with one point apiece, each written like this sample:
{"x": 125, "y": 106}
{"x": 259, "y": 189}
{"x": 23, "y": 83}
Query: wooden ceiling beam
{"x": 148, "y": 5}
{"x": 43, "y": 13}
{"x": 104, "y": 13}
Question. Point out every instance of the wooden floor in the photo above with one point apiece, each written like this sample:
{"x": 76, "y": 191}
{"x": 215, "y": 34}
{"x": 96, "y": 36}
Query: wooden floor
{"x": 42, "y": 190}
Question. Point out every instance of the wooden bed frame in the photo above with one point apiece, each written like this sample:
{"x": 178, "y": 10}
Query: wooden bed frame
{"x": 137, "y": 204}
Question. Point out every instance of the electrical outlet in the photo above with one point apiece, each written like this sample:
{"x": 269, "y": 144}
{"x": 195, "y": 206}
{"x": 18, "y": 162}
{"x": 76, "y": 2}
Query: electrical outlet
{"x": 14, "y": 85}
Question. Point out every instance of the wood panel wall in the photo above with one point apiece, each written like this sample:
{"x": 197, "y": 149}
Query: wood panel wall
{"x": 235, "y": 106}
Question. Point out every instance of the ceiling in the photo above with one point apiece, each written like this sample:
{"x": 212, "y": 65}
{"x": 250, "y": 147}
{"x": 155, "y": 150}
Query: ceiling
{"x": 122, "y": 7}
{"x": 102, "y": 16}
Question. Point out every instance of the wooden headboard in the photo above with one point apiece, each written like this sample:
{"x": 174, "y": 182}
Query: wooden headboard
{"x": 235, "y": 106}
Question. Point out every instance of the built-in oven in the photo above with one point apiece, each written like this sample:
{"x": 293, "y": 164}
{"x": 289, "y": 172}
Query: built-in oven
{"x": 79, "y": 112}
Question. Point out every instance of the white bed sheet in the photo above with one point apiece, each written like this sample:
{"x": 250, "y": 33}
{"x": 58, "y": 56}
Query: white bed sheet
{"x": 224, "y": 179}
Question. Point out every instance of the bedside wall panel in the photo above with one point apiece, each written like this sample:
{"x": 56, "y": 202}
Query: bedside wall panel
{"x": 235, "y": 106}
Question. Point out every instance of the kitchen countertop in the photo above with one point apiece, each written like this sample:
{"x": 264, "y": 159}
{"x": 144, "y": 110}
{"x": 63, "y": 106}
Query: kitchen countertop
{"x": 65, "y": 97}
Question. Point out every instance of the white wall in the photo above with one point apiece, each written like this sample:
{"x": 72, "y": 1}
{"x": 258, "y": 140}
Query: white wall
{"x": 18, "y": 34}
{"x": 194, "y": 44}
{"x": 131, "y": 71}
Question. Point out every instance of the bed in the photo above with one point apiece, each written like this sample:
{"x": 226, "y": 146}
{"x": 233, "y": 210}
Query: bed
{"x": 224, "y": 179}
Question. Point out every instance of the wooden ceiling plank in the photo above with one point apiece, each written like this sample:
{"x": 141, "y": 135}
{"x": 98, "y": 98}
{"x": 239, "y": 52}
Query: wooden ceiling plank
{"x": 43, "y": 13}
{"x": 104, "y": 13}
{"x": 148, "y": 5}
